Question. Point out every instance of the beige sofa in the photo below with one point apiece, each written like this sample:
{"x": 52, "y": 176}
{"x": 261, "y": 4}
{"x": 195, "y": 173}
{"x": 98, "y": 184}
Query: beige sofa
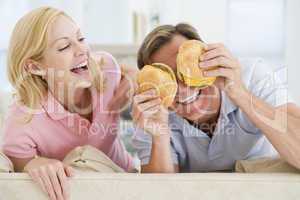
{"x": 156, "y": 186}
{"x": 208, "y": 186}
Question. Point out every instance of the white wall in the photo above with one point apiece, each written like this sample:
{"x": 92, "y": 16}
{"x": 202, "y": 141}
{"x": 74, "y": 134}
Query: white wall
{"x": 9, "y": 15}
{"x": 292, "y": 52}
{"x": 209, "y": 17}
{"x": 108, "y": 22}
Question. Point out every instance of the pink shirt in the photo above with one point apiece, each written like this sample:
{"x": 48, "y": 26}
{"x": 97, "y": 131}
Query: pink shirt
{"x": 53, "y": 131}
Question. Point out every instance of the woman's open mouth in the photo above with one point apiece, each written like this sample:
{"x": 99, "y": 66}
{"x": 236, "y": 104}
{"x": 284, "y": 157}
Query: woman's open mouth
{"x": 80, "y": 67}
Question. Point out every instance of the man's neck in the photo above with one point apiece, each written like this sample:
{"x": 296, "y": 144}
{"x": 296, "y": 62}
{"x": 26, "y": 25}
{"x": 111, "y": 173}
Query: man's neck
{"x": 207, "y": 126}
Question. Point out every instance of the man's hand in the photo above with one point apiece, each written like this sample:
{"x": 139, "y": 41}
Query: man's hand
{"x": 218, "y": 62}
{"x": 149, "y": 114}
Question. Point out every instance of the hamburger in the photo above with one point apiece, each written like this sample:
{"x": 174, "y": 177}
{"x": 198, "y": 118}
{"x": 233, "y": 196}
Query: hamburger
{"x": 160, "y": 77}
{"x": 188, "y": 70}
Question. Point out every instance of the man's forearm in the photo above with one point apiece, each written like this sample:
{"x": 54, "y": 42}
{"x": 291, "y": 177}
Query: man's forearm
{"x": 279, "y": 125}
{"x": 161, "y": 159}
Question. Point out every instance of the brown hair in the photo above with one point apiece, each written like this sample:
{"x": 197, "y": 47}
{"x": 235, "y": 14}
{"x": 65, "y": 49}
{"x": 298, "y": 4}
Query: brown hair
{"x": 160, "y": 36}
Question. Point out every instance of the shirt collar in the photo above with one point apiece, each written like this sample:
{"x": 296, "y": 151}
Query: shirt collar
{"x": 54, "y": 108}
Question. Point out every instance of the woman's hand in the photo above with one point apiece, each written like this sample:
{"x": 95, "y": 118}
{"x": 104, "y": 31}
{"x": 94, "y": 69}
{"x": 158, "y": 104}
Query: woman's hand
{"x": 149, "y": 114}
{"x": 51, "y": 175}
{"x": 228, "y": 70}
{"x": 123, "y": 95}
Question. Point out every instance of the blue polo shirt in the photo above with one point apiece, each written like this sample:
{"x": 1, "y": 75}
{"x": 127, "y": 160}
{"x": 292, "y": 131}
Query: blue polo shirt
{"x": 234, "y": 138}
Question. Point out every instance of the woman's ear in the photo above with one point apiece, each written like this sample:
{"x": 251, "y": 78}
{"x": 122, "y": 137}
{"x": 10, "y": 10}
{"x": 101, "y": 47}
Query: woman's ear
{"x": 33, "y": 67}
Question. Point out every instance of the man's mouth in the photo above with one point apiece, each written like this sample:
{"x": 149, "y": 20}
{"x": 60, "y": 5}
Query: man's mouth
{"x": 190, "y": 98}
{"x": 80, "y": 67}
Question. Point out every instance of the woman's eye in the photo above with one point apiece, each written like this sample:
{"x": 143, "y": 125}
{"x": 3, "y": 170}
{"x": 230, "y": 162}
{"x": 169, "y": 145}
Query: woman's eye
{"x": 67, "y": 46}
{"x": 81, "y": 39}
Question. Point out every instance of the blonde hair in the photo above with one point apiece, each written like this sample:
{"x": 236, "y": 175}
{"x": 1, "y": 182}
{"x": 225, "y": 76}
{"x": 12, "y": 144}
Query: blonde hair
{"x": 160, "y": 36}
{"x": 28, "y": 41}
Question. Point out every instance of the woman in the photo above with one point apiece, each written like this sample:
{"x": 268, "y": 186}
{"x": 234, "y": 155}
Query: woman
{"x": 65, "y": 98}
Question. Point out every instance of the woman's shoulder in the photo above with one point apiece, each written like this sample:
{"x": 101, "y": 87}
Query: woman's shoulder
{"x": 15, "y": 120}
{"x": 21, "y": 117}
{"x": 106, "y": 60}
{"x": 109, "y": 66}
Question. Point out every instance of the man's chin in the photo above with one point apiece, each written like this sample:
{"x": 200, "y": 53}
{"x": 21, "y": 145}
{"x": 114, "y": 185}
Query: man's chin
{"x": 199, "y": 116}
{"x": 194, "y": 117}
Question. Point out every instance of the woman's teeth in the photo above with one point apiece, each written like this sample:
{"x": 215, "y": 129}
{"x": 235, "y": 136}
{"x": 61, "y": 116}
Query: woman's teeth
{"x": 79, "y": 68}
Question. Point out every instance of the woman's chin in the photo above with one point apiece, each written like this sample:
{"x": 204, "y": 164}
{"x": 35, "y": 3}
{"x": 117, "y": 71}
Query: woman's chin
{"x": 83, "y": 84}
{"x": 82, "y": 80}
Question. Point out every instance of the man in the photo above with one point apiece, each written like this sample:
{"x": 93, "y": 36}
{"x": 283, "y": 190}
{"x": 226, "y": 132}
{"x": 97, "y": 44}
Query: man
{"x": 209, "y": 129}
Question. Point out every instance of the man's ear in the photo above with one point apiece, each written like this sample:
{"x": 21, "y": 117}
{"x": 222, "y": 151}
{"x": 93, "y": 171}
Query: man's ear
{"x": 33, "y": 67}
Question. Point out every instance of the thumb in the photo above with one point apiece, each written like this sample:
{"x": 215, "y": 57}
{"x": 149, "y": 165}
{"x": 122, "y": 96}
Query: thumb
{"x": 220, "y": 83}
{"x": 69, "y": 170}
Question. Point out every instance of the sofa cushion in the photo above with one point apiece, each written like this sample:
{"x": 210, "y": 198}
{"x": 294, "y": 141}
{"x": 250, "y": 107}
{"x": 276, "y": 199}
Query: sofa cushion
{"x": 6, "y": 165}
{"x": 265, "y": 165}
{"x": 208, "y": 186}
{"x": 88, "y": 158}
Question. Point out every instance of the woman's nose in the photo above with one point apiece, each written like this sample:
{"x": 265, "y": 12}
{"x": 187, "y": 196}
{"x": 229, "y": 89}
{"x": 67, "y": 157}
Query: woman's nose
{"x": 81, "y": 49}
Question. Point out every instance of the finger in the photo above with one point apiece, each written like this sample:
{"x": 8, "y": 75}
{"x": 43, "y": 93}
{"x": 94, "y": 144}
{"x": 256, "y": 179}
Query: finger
{"x": 55, "y": 182}
{"x": 212, "y": 46}
{"x": 69, "y": 171}
{"x": 37, "y": 179}
{"x": 219, "y": 61}
{"x": 122, "y": 96}
{"x": 47, "y": 182}
{"x": 149, "y": 104}
{"x": 138, "y": 109}
{"x": 220, "y": 82}
{"x": 151, "y": 111}
{"x": 100, "y": 61}
{"x": 145, "y": 96}
{"x": 214, "y": 53}
{"x": 122, "y": 86}
{"x": 130, "y": 88}
{"x": 151, "y": 91}
{"x": 125, "y": 88}
{"x": 130, "y": 73}
{"x": 220, "y": 72}
{"x": 127, "y": 80}
{"x": 64, "y": 183}
{"x": 134, "y": 112}
{"x": 124, "y": 68}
